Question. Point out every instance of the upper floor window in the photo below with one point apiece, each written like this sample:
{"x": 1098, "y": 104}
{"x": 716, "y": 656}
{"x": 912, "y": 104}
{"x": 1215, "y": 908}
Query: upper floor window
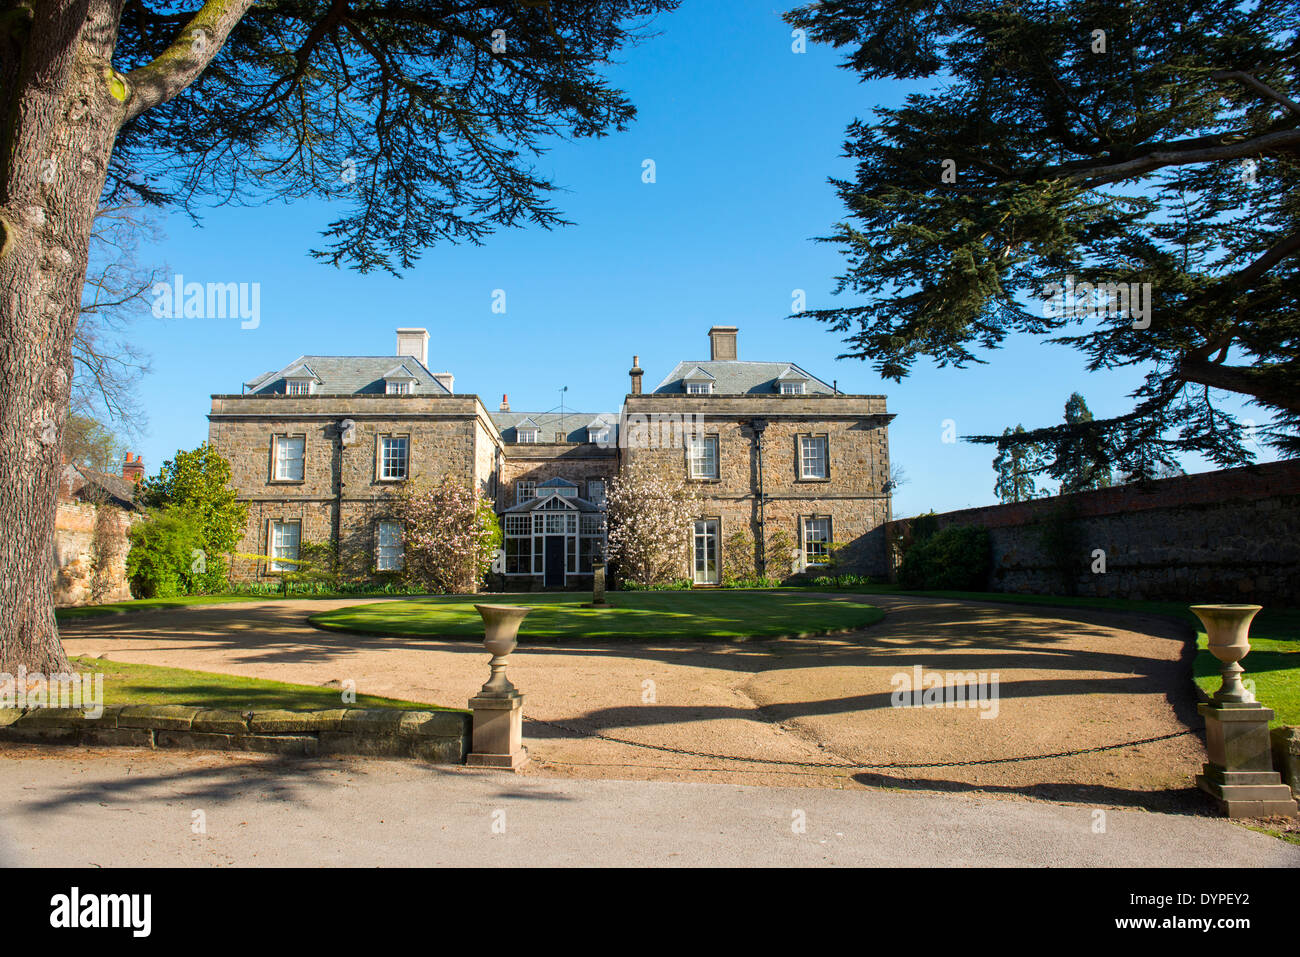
{"x": 390, "y": 555}
{"x": 289, "y": 454}
{"x": 596, "y": 491}
{"x": 525, "y": 492}
{"x": 284, "y": 538}
{"x": 393, "y": 453}
{"x": 298, "y": 386}
{"x": 813, "y": 462}
{"x": 792, "y": 388}
{"x": 699, "y": 388}
{"x": 704, "y": 457}
{"x": 397, "y": 387}
{"x": 525, "y": 435}
{"x": 816, "y": 540}
{"x": 600, "y": 436}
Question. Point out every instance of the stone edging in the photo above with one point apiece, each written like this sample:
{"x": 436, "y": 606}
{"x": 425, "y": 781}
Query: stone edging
{"x": 441, "y": 737}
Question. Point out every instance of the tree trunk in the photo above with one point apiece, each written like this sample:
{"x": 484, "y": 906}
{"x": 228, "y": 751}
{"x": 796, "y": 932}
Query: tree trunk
{"x": 62, "y": 105}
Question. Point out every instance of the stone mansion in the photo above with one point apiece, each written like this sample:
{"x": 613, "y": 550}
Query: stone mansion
{"x": 319, "y": 448}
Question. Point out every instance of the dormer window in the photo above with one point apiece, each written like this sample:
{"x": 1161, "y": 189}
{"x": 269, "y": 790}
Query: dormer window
{"x": 792, "y": 388}
{"x": 792, "y": 382}
{"x": 398, "y": 387}
{"x": 698, "y": 381}
{"x": 526, "y": 435}
{"x": 599, "y": 436}
{"x": 299, "y": 386}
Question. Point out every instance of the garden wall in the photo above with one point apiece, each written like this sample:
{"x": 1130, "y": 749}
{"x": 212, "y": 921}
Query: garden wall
{"x": 1230, "y": 535}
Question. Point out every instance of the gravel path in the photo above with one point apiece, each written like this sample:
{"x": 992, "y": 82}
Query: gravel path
{"x": 1067, "y": 679}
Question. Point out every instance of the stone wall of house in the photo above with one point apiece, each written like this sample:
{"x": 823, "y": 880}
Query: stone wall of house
{"x": 78, "y": 579}
{"x": 446, "y": 439}
{"x": 577, "y": 462}
{"x": 852, "y": 496}
{"x": 1230, "y": 535}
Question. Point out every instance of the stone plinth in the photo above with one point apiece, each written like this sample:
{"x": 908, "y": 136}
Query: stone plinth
{"x": 498, "y": 736}
{"x": 1239, "y": 775}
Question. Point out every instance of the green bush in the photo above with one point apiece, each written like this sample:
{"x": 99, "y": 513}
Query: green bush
{"x": 166, "y": 555}
{"x": 842, "y": 581}
{"x": 955, "y": 559}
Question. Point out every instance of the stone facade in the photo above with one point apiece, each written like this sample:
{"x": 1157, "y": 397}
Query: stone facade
{"x": 339, "y": 494}
{"x": 1231, "y": 535}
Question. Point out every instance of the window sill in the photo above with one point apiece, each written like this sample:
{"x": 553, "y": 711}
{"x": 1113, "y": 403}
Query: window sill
{"x": 287, "y": 482}
{"x": 813, "y": 481}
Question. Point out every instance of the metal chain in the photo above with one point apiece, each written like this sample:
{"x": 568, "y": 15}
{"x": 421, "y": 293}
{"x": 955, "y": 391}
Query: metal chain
{"x": 851, "y": 765}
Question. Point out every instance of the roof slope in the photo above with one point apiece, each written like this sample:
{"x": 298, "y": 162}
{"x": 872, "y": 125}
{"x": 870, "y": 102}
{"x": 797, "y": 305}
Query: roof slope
{"x": 739, "y": 377}
{"x": 573, "y": 425}
{"x": 350, "y": 375}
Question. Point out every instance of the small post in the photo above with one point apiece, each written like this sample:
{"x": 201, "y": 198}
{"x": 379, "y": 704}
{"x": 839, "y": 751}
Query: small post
{"x": 1239, "y": 775}
{"x": 598, "y": 583}
{"x": 499, "y": 707}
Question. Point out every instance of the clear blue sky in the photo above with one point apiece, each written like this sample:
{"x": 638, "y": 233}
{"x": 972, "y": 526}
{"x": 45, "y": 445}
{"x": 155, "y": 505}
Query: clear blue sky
{"x": 744, "y": 134}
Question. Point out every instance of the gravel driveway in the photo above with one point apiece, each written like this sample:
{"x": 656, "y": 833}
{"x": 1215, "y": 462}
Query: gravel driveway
{"x": 1068, "y": 680}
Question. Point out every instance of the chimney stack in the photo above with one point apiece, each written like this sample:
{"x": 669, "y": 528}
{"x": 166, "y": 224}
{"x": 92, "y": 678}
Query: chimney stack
{"x": 722, "y": 343}
{"x": 133, "y": 468}
{"x": 505, "y": 403}
{"x": 447, "y": 379}
{"x": 636, "y": 372}
{"x": 414, "y": 342}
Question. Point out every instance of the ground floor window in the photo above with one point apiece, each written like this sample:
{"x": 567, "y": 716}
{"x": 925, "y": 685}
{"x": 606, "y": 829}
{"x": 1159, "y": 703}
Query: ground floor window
{"x": 389, "y": 553}
{"x": 816, "y": 540}
{"x": 284, "y": 539}
{"x": 575, "y": 539}
{"x": 518, "y": 545}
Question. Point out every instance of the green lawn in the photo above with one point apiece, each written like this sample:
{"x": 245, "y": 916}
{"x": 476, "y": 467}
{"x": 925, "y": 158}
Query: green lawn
{"x": 149, "y": 684}
{"x": 666, "y": 615}
{"x": 1273, "y": 663}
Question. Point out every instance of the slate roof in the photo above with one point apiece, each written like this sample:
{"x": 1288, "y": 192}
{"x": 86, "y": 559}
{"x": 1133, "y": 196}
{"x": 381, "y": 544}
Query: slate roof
{"x": 579, "y": 504}
{"x": 740, "y": 377}
{"x": 573, "y": 424}
{"x": 349, "y": 375}
{"x": 104, "y": 486}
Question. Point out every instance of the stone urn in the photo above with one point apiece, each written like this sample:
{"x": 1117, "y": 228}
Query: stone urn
{"x": 1228, "y": 630}
{"x": 500, "y": 634}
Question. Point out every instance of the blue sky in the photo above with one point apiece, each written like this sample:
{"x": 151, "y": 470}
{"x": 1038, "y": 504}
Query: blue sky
{"x": 744, "y": 134}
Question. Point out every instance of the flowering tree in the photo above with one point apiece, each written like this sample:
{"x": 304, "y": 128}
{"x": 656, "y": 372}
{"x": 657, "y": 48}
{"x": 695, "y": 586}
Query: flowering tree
{"x": 451, "y": 535}
{"x": 650, "y": 517}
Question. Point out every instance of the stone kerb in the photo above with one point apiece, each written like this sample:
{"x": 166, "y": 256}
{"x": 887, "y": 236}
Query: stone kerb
{"x": 441, "y": 737}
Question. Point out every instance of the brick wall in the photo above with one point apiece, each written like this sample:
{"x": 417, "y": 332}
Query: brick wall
{"x": 1230, "y": 535}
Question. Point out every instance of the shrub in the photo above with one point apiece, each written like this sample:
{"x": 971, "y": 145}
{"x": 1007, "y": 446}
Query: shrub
{"x": 738, "y": 560}
{"x": 778, "y": 554}
{"x": 672, "y": 584}
{"x": 165, "y": 556}
{"x": 650, "y": 517}
{"x": 451, "y": 535}
{"x": 955, "y": 559}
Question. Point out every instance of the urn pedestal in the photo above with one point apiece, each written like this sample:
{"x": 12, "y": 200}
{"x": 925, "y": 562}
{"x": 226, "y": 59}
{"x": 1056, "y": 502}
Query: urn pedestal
{"x": 1239, "y": 775}
{"x": 498, "y": 729}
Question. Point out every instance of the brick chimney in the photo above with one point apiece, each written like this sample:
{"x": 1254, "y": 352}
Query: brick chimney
{"x": 505, "y": 403}
{"x": 133, "y": 468}
{"x": 636, "y": 372}
{"x": 722, "y": 343}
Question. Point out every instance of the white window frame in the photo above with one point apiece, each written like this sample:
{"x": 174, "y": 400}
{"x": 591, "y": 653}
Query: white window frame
{"x": 389, "y": 556}
{"x": 525, "y": 491}
{"x": 279, "y": 550}
{"x": 278, "y": 459}
{"x": 526, "y": 436}
{"x": 381, "y": 465}
{"x": 397, "y": 387}
{"x": 598, "y": 436}
{"x": 709, "y": 443}
{"x": 792, "y": 388}
{"x": 808, "y": 539}
{"x": 299, "y": 386}
{"x": 699, "y": 388}
{"x": 818, "y": 460}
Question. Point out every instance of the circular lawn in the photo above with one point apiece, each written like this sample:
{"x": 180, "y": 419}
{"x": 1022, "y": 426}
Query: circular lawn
{"x": 646, "y": 615}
